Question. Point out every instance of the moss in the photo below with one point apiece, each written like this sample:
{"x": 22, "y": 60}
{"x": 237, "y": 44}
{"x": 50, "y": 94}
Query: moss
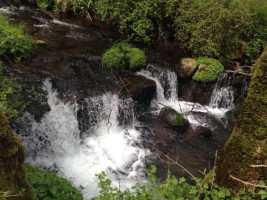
{"x": 12, "y": 155}
{"x": 211, "y": 72}
{"x": 123, "y": 56}
{"x": 180, "y": 120}
{"x": 247, "y": 144}
{"x": 137, "y": 58}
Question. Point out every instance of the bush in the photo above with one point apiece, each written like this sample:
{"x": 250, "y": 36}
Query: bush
{"x": 123, "y": 56}
{"x": 48, "y": 186}
{"x": 13, "y": 40}
{"x": 11, "y": 99}
{"x": 171, "y": 189}
{"x": 211, "y": 72}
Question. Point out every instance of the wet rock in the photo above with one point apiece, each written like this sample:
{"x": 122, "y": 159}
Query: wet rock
{"x": 173, "y": 118}
{"x": 139, "y": 88}
{"x": 186, "y": 68}
{"x": 238, "y": 81}
{"x": 231, "y": 115}
{"x": 157, "y": 134}
{"x": 203, "y": 131}
{"x": 193, "y": 91}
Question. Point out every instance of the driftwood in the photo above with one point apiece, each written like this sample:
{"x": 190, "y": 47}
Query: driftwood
{"x": 237, "y": 72}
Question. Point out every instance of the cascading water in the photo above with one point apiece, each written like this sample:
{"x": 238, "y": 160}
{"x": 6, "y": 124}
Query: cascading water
{"x": 166, "y": 80}
{"x": 223, "y": 94}
{"x": 55, "y": 143}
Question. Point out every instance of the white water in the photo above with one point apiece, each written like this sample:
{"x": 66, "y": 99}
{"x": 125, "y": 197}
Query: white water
{"x": 172, "y": 100}
{"x": 223, "y": 95}
{"x": 54, "y": 143}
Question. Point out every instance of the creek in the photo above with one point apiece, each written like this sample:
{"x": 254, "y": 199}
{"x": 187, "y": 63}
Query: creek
{"x": 79, "y": 125}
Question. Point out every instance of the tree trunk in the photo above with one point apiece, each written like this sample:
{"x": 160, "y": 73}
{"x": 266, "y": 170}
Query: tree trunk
{"x": 12, "y": 156}
{"x": 248, "y": 143}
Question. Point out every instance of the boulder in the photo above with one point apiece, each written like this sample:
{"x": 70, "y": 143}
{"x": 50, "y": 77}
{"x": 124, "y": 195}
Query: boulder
{"x": 173, "y": 118}
{"x": 139, "y": 88}
{"x": 187, "y": 67}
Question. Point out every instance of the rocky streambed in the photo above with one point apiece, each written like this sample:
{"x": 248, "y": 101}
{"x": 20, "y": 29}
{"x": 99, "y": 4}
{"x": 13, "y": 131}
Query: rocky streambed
{"x": 84, "y": 119}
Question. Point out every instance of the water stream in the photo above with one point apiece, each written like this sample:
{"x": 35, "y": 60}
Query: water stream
{"x": 101, "y": 132}
{"x": 55, "y": 143}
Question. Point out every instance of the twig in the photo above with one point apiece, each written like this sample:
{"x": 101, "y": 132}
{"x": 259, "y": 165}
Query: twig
{"x": 255, "y": 166}
{"x": 119, "y": 92}
{"x": 213, "y": 173}
{"x": 248, "y": 183}
{"x": 176, "y": 164}
{"x": 237, "y": 72}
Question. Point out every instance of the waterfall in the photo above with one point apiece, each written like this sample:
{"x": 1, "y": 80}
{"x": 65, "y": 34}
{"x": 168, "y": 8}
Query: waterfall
{"x": 108, "y": 145}
{"x": 167, "y": 95}
{"x": 223, "y": 94}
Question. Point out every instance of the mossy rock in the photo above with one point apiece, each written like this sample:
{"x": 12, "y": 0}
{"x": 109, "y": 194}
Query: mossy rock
{"x": 173, "y": 118}
{"x": 124, "y": 56}
{"x": 12, "y": 156}
{"x": 208, "y": 71}
{"x": 247, "y": 144}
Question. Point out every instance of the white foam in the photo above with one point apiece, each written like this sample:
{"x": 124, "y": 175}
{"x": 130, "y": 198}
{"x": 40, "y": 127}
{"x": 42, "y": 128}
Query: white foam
{"x": 55, "y": 143}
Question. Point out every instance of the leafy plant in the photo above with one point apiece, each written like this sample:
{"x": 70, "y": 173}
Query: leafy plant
{"x": 253, "y": 49}
{"x": 171, "y": 189}
{"x": 123, "y": 56}
{"x": 11, "y": 100}
{"x": 43, "y": 4}
{"x": 48, "y": 186}
{"x": 210, "y": 72}
{"x": 13, "y": 40}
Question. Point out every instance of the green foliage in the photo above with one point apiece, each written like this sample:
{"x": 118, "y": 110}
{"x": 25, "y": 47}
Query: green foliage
{"x": 11, "y": 100}
{"x": 171, "y": 189}
{"x": 43, "y": 4}
{"x": 200, "y": 25}
{"x": 123, "y": 56}
{"x": 13, "y": 40}
{"x": 211, "y": 72}
{"x": 138, "y": 19}
{"x": 48, "y": 186}
{"x": 253, "y": 49}
{"x": 82, "y": 5}
{"x": 180, "y": 120}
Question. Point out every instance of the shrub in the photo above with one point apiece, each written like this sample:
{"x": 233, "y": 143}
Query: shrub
{"x": 171, "y": 189}
{"x": 48, "y": 186}
{"x": 43, "y": 4}
{"x": 211, "y": 72}
{"x": 253, "y": 49}
{"x": 123, "y": 56}
{"x": 11, "y": 99}
{"x": 13, "y": 40}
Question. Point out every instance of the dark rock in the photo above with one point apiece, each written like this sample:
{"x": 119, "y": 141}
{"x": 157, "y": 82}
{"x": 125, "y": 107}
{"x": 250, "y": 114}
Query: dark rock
{"x": 173, "y": 118}
{"x": 186, "y": 68}
{"x": 193, "y": 91}
{"x": 238, "y": 81}
{"x": 140, "y": 89}
{"x": 203, "y": 131}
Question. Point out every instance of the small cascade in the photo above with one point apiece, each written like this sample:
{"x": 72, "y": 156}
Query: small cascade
{"x": 110, "y": 144}
{"x": 223, "y": 94}
{"x": 167, "y": 95}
